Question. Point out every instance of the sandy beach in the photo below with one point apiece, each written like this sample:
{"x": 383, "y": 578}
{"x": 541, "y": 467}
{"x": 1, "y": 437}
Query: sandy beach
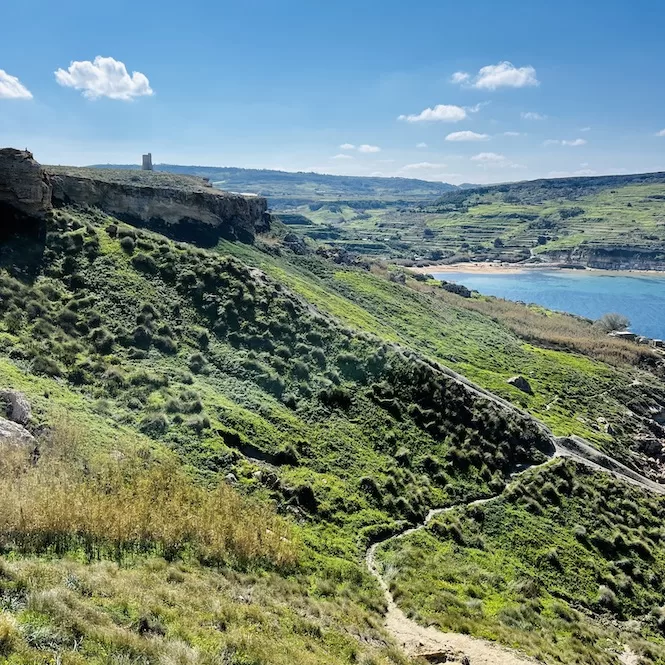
{"x": 502, "y": 268}
{"x": 486, "y": 267}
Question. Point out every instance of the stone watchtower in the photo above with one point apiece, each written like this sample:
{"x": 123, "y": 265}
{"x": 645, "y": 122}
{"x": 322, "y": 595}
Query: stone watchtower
{"x": 147, "y": 162}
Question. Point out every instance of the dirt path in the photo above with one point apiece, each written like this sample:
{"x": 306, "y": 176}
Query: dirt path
{"x": 439, "y": 647}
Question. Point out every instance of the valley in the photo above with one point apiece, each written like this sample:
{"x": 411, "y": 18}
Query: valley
{"x": 224, "y": 424}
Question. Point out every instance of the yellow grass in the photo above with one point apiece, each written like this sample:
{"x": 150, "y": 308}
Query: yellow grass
{"x": 131, "y": 506}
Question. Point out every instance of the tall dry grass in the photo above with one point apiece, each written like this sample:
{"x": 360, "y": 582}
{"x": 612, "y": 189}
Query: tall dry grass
{"x": 131, "y": 506}
{"x": 553, "y": 330}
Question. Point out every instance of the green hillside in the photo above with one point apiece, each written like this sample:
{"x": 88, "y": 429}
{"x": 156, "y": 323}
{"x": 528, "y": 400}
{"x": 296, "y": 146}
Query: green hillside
{"x": 286, "y": 187}
{"x": 609, "y": 220}
{"x": 221, "y": 433}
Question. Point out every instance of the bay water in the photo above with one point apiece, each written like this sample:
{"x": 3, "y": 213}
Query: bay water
{"x": 640, "y": 297}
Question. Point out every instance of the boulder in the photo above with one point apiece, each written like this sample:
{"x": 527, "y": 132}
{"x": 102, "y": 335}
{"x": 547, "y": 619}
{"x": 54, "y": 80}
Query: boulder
{"x": 521, "y": 384}
{"x": 17, "y": 406}
{"x": 11, "y": 432}
{"x": 24, "y": 185}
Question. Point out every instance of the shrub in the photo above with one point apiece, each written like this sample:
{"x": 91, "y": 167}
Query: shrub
{"x": 196, "y": 363}
{"x": 144, "y": 263}
{"x": 10, "y": 635}
{"x": 611, "y": 322}
{"x": 102, "y": 340}
{"x": 165, "y": 344}
{"x": 127, "y": 243}
{"x": 154, "y": 424}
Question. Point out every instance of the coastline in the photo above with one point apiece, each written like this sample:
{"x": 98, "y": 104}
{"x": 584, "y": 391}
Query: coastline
{"x": 503, "y": 268}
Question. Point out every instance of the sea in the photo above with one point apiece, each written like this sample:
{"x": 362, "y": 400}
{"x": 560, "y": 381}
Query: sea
{"x": 589, "y": 293}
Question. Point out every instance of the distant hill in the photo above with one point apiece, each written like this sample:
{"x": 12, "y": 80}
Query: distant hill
{"x": 304, "y": 187}
{"x": 537, "y": 191}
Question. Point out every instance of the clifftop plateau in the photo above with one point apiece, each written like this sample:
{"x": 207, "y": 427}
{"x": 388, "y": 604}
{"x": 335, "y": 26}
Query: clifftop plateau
{"x": 184, "y": 207}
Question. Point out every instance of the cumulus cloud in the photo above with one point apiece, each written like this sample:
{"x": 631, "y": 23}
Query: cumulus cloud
{"x": 569, "y": 142}
{"x": 494, "y": 160}
{"x": 460, "y": 77}
{"x": 422, "y": 166}
{"x": 502, "y": 75}
{"x": 341, "y": 156}
{"x": 424, "y": 145}
{"x": 104, "y": 77}
{"x": 467, "y": 136}
{"x": 661, "y": 133}
{"x": 440, "y": 113}
{"x": 12, "y": 88}
{"x": 585, "y": 129}
{"x": 368, "y": 148}
{"x": 347, "y": 146}
{"x": 532, "y": 115}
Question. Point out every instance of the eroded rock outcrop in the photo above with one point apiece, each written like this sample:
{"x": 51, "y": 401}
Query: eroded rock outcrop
{"x": 184, "y": 207}
{"x": 17, "y": 407}
{"x": 24, "y": 185}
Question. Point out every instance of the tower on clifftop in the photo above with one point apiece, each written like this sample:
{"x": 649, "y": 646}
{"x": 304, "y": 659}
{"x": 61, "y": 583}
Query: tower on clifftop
{"x": 147, "y": 162}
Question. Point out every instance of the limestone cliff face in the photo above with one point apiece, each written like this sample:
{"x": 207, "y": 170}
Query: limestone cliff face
{"x": 183, "y": 207}
{"x": 24, "y": 185}
{"x": 613, "y": 258}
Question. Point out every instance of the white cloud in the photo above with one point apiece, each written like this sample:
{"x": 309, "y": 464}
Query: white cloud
{"x": 493, "y": 159}
{"x": 476, "y": 107}
{"x": 105, "y": 77}
{"x": 532, "y": 115}
{"x": 368, "y": 148}
{"x": 12, "y": 88}
{"x": 440, "y": 113}
{"x": 460, "y": 77}
{"x": 585, "y": 129}
{"x": 568, "y": 142}
{"x": 512, "y": 133}
{"x": 660, "y": 133}
{"x": 347, "y": 146}
{"x": 422, "y": 166}
{"x": 342, "y": 156}
{"x": 502, "y": 75}
{"x": 466, "y": 136}
{"x": 424, "y": 145}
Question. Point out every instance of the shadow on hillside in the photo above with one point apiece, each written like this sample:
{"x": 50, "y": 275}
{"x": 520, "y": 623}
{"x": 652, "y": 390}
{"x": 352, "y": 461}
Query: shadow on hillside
{"x": 22, "y": 243}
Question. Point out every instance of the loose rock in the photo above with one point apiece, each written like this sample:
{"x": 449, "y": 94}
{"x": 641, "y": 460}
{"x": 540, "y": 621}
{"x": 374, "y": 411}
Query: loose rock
{"x": 521, "y": 384}
{"x": 11, "y": 432}
{"x": 18, "y": 408}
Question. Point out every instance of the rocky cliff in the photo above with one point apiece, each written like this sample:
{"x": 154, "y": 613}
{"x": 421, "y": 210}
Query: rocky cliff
{"x": 183, "y": 207}
{"x": 610, "y": 258}
{"x": 24, "y": 185}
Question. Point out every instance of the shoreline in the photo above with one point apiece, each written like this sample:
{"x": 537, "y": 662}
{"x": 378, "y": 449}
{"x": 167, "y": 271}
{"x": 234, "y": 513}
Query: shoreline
{"x": 503, "y": 268}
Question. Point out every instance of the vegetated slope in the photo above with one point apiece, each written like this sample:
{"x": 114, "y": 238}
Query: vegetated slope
{"x": 608, "y": 391}
{"x": 611, "y": 222}
{"x": 173, "y": 355}
{"x": 306, "y": 186}
{"x": 568, "y": 564}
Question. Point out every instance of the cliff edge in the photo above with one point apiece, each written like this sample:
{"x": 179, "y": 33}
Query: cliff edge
{"x": 183, "y": 207}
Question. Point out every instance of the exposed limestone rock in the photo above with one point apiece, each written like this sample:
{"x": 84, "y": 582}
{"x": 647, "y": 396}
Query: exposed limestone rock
{"x": 18, "y": 408}
{"x": 24, "y": 185}
{"x": 11, "y": 432}
{"x": 521, "y": 384}
{"x": 184, "y": 207}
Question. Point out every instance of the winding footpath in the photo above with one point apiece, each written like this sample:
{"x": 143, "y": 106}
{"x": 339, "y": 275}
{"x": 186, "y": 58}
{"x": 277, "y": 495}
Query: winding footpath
{"x": 439, "y": 647}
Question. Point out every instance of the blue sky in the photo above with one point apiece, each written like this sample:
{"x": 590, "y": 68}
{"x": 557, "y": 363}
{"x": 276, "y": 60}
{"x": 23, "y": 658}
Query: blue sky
{"x": 527, "y": 88}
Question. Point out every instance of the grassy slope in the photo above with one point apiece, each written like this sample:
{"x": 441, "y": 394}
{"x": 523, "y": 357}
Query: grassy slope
{"x": 571, "y": 390}
{"x": 560, "y": 566}
{"x": 194, "y": 357}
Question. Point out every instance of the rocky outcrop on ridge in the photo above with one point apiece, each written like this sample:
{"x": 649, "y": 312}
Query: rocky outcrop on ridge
{"x": 184, "y": 207}
{"x": 24, "y": 185}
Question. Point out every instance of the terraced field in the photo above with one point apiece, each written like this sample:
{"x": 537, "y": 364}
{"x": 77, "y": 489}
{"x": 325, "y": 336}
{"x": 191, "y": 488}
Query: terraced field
{"x": 510, "y": 223}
